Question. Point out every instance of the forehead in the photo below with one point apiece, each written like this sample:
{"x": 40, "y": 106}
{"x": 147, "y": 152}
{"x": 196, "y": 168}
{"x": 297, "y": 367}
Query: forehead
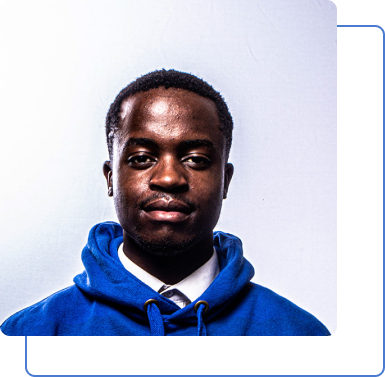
{"x": 170, "y": 113}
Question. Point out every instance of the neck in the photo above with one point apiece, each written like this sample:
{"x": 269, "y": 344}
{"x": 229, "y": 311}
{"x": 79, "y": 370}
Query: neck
{"x": 169, "y": 269}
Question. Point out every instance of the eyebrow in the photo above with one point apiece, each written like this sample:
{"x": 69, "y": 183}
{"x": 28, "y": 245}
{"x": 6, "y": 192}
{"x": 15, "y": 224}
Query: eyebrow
{"x": 184, "y": 145}
{"x": 197, "y": 143}
{"x": 141, "y": 141}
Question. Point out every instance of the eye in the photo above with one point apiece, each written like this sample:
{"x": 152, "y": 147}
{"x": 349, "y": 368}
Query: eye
{"x": 197, "y": 162}
{"x": 140, "y": 161}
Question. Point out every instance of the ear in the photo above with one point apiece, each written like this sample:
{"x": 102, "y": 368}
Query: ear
{"x": 229, "y": 171}
{"x": 107, "y": 171}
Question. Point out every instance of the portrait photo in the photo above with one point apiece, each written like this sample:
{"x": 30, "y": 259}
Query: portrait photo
{"x": 170, "y": 168}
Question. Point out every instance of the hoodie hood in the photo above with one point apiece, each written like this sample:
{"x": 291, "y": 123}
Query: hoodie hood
{"x": 108, "y": 300}
{"x": 106, "y": 279}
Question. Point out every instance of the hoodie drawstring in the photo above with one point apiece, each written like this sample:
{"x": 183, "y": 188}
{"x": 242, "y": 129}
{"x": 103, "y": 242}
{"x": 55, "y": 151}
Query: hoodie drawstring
{"x": 154, "y": 317}
{"x": 156, "y": 320}
{"x": 200, "y": 308}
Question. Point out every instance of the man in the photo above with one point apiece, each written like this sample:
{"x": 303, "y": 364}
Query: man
{"x": 162, "y": 271}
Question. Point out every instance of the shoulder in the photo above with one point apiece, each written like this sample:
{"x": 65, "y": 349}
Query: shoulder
{"x": 43, "y": 317}
{"x": 276, "y": 315}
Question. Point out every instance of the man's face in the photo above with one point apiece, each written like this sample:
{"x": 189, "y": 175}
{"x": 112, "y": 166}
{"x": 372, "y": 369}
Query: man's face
{"x": 169, "y": 174}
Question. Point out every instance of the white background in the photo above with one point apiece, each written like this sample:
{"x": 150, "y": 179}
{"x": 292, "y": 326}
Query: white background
{"x": 275, "y": 63}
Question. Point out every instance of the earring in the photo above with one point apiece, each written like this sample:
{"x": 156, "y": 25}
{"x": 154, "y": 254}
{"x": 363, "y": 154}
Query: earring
{"x": 110, "y": 191}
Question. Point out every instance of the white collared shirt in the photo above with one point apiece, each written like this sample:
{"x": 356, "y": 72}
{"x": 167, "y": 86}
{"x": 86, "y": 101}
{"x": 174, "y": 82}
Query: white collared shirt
{"x": 182, "y": 293}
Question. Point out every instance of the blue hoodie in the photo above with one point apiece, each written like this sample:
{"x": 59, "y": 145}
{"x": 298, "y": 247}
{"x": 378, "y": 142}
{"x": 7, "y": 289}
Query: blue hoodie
{"x": 106, "y": 299}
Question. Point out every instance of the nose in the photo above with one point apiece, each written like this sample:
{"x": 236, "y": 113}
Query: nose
{"x": 169, "y": 176}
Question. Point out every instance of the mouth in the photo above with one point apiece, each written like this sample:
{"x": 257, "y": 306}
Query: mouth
{"x": 168, "y": 210}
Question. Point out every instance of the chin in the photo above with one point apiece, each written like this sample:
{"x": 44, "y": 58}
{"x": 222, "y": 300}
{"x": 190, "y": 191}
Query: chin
{"x": 165, "y": 247}
{"x": 165, "y": 240}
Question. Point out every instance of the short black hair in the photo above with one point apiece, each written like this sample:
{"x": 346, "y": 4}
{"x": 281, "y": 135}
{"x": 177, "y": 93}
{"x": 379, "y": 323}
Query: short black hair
{"x": 169, "y": 79}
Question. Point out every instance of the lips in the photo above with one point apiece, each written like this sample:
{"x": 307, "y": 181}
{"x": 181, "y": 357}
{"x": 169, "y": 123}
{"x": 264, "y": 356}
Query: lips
{"x": 168, "y": 210}
{"x": 168, "y": 206}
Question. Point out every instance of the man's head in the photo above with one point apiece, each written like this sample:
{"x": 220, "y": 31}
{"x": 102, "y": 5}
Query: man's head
{"x": 168, "y": 171}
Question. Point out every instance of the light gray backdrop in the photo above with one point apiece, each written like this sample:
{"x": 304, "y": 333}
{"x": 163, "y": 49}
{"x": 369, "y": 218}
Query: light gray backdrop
{"x": 274, "y": 61}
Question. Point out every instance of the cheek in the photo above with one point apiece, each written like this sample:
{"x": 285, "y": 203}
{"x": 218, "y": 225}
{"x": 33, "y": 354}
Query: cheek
{"x": 209, "y": 191}
{"x": 128, "y": 192}
{"x": 130, "y": 184}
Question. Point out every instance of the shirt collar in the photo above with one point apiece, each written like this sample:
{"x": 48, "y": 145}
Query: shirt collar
{"x": 192, "y": 286}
